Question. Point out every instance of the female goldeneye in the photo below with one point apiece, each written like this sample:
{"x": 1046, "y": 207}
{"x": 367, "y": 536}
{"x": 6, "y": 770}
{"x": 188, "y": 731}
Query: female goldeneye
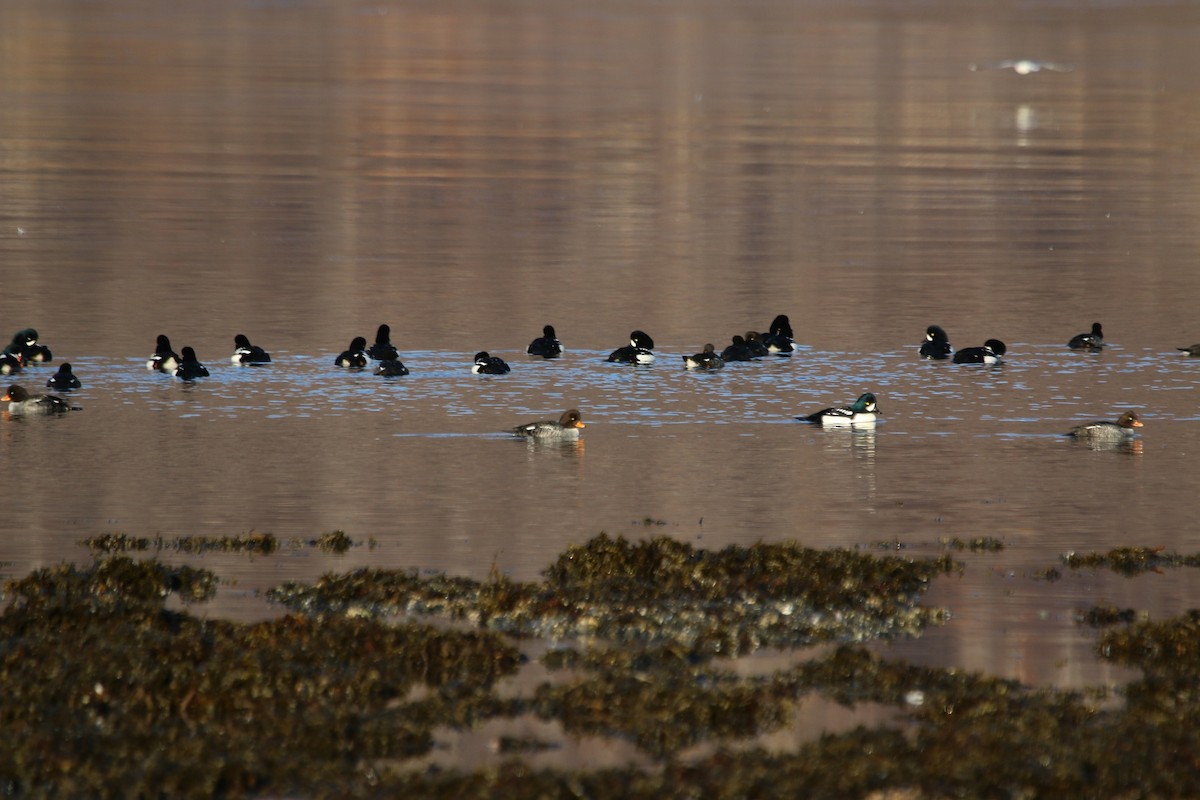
{"x": 22, "y": 402}
{"x": 778, "y": 338}
{"x": 636, "y": 352}
{"x": 547, "y": 345}
{"x": 1117, "y": 431}
{"x": 391, "y": 368}
{"x": 864, "y": 411}
{"x": 707, "y": 360}
{"x": 738, "y": 351}
{"x": 25, "y": 347}
{"x": 355, "y": 357}
{"x": 988, "y": 354}
{"x": 1088, "y": 341}
{"x": 246, "y": 353}
{"x": 190, "y": 367}
{"x": 754, "y": 341}
{"x": 383, "y": 349}
{"x": 936, "y": 344}
{"x": 164, "y": 358}
{"x": 63, "y": 380}
{"x": 487, "y": 364}
{"x": 567, "y": 427}
{"x": 1194, "y": 350}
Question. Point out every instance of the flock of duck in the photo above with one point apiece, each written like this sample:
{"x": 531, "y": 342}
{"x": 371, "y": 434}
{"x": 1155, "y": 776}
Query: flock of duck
{"x": 25, "y": 350}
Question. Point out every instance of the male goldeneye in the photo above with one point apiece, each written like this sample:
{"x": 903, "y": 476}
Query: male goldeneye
{"x": 547, "y": 345}
{"x": 567, "y": 427}
{"x": 246, "y": 353}
{"x": 778, "y": 338}
{"x": 1194, "y": 350}
{"x": 707, "y": 360}
{"x": 864, "y": 411}
{"x": 391, "y": 368}
{"x": 64, "y": 379}
{"x": 190, "y": 367}
{"x": 1088, "y": 341}
{"x": 487, "y": 364}
{"x": 636, "y": 352}
{"x": 383, "y": 349}
{"x": 738, "y": 351}
{"x": 164, "y": 358}
{"x": 355, "y": 357}
{"x": 936, "y": 344}
{"x": 1117, "y": 431}
{"x": 988, "y": 354}
{"x": 9, "y": 363}
{"x": 25, "y": 347}
{"x": 22, "y": 402}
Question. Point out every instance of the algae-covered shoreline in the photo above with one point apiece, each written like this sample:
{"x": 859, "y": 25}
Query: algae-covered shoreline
{"x": 112, "y": 688}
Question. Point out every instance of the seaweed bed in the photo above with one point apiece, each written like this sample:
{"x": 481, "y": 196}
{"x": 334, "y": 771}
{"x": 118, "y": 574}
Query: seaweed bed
{"x": 111, "y": 688}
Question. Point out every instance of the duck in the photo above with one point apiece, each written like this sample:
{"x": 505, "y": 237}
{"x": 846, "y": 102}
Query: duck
{"x": 754, "y": 341}
{"x": 391, "y": 368}
{"x": 63, "y": 380}
{"x": 190, "y": 367}
{"x": 1102, "y": 431}
{"x": 383, "y": 349}
{"x": 1194, "y": 350}
{"x": 1088, "y": 341}
{"x": 246, "y": 353}
{"x": 21, "y": 401}
{"x": 863, "y": 411}
{"x": 707, "y": 360}
{"x": 636, "y": 352}
{"x": 25, "y": 347}
{"x": 738, "y": 351}
{"x": 355, "y": 356}
{"x": 10, "y": 364}
{"x": 567, "y": 427}
{"x": 937, "y": 344}
{"x": 989, "y": 353}
{"x": 164, "y": 358}
{"x": 778, "y": 338}
{"x": 547, "y": 345}
{"x": 487, "y": 364}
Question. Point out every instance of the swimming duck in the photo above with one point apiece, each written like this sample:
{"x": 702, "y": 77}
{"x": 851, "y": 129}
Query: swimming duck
{"x": 1117, "y": 431}
{"x": 708, "y": 359}
{"x": 383, "y": 349}
{"x": 988, "y": 354}
{"x": 567, "y": 427}
{"x": 190, "y": 367}
{"x": 246, "y": 353}
{"x": 1194, "y": 350}
{"x": 22, "y": 402}
{"x": 487, "y": 364}
{"x": 164, "y": 358}
{"x": 391, "y": 368}
{"x": 1088, "y": 341}
{"x": 863, "y": 411}
{"x": 636, "y": 352}
{"x": 738, "y": 351}
{"x": 25, "y": 347}
{"x": 10, "y": 364}
{"x": 547, "y": 345}
{"x": 63, "y": 380}
{"x": 754, "y": 341}
{"x": 936, "y": 344}
{"x": 355, "y": 356}
{"x": 778, "y": 338}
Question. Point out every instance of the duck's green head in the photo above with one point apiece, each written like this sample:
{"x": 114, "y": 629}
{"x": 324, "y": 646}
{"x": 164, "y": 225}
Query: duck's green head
{"x": 866, "y": 403}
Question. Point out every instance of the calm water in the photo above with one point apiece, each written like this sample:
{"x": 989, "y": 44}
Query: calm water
{"x": 470, "y": 171}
